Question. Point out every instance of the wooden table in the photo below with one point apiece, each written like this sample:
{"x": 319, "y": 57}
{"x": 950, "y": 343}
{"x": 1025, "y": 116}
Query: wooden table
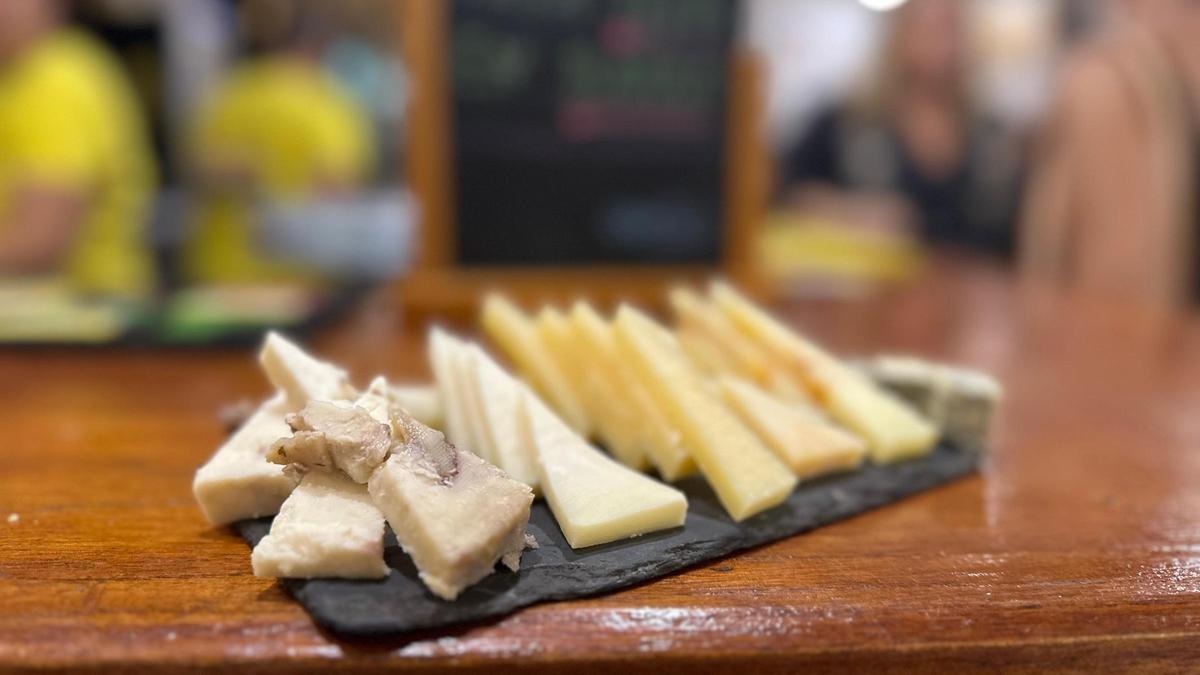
{"x": 1077, "y": 549}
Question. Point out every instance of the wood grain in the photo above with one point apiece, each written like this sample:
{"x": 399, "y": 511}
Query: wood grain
{"x": 1078, "y": 549}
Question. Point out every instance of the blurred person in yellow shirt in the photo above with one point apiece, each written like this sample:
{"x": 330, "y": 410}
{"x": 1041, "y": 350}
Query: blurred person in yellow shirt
{"x": 278, "y": 129}
{"x": 76, "y": 171}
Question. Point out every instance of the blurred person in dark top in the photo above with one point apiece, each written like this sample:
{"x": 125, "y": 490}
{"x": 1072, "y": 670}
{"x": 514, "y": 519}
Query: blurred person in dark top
{"x": 279, "y": 128}
{"x": 76, "y": 170}
{"x": 913, "y": 152}
{"x": 1112, "y": 207}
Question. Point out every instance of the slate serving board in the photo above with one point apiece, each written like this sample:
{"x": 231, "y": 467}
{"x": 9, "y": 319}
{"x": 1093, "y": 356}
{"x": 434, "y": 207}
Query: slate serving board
{"x": 400, "y": 602}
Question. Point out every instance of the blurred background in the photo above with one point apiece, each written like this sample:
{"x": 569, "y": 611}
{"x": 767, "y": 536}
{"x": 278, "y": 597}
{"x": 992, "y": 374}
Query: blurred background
{"x": 190, "y": 171}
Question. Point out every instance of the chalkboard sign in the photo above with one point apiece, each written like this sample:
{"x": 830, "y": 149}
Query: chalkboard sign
{"x": 588, "y": 131}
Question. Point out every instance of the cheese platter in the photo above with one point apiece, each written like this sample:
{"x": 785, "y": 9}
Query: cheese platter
{"x": 607, "y": 456}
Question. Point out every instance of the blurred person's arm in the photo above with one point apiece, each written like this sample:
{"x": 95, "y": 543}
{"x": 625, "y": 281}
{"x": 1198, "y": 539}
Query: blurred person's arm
{"x": 43, "y": 220}
{"x": 1095, "y": 214}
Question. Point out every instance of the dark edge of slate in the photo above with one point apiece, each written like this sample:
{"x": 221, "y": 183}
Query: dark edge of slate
{"x": 400, "y": 603}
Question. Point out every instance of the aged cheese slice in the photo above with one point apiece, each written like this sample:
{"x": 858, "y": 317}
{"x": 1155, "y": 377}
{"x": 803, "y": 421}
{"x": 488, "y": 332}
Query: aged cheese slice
{"x": 799, "y": 437}
{"x": 594, "y": 499}
{"x": 421, "y": 401}
{"x": 238, "y": 482}
{"x": 746, "y": 476}
{"x": 300, "y": 376}
{"x": 605, "y": 406}
{"x": 518, "y": 338}
{"x": 328, "y": 527}
{"x": 453, "y": 513}
{"x": 741, "y": 356}
{"x": 892, "y": 429}
{"x": 660, "y": 441}
{"x": 499, "y": 394}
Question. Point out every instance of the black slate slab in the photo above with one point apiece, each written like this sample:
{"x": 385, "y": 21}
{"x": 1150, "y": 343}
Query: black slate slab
{"x": 554, "y": 571}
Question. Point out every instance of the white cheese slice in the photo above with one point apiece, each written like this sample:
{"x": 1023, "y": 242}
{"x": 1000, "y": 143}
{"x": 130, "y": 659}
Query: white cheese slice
{"x": 607, "y": 407}
{"x": 892, "y": 429}
{"x": 660, "y": 441}
{"x": 746, "y": 476}
{"x": 238, "y": 482}
{"x": 499, "y": 395}
{"x": 328, "y": 527}
{"x": 806, "y": 443}
{"x": 300, "y": 376}
{"x": 594, "y": 499}
{"x": 443, "y": 355}
{"x": 479, "y": 437}
{"x": 421, "y": 401}
{"x": 518, "y": 338}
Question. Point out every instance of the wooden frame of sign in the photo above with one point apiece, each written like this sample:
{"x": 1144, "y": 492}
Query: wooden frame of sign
{"x": 439, "y": 284}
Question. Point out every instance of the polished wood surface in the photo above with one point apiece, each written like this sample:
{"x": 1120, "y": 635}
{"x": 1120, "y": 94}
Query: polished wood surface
{"x": 1077, "y": 549}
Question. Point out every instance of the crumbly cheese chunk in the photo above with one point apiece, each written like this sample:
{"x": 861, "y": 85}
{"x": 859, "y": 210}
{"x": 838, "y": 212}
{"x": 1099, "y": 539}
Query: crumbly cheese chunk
{"x": 301, "y": 377}
{"x": 453, "y": 513}
{"x": 334, "y": 436}
{"x": 594, "y": 499}
{"x": 499, "y": 394}
{"x": 808, "y": 444}
{"x": 746, "y": 476}
{"x": 660, "y": 441}
{"x": 238, "y": 482}
{"x": 328, "y": 527}
{"x": 518, "y": 338}
{"x": 892, "y": 429}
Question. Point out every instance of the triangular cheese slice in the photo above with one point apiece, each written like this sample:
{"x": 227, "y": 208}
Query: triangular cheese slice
{"x": 746, "y": 476}
{"x": 594, "y": 498}
{"x": 301, "y": 377}
{"x": 892, "y": 429}
{"x": 499, "y": 395}
{"x": 605, "y": 406}
{"x": 479, "y": 440}
{"x": 741, "y": 356}
{"x": 518, "y": 338}
{"x": 443, "y": 356}
{"x": 799, "y": 437}
{"x": 661, "y": 442}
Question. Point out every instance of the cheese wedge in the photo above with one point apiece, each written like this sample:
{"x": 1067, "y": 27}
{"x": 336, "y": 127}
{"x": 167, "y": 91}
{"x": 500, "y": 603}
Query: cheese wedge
{"x": 518, "y": 338}
{"x": 453, "y": 513}
{"x": 594, "y": 499}
{"x": 300, "y": 376}
{"x": 741, "y": 356}
{"x": 443, "y": 356}
{"x": 806, "y": 443}
{"x": 328, "y": 527}
{"x": 499, "y": 394}
{"x": 660, "y": 441}
{"x": 893, "y": 430}
{"x": 604, "y": 405}
{"x": 421, "y": 401}
{"x": 238, "y": 482}
{"x": 746, "y": 476}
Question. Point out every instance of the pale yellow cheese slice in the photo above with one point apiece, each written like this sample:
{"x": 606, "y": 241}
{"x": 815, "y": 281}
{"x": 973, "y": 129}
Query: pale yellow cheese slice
{"x": 604, "y": 405}
{"x": 499, "y": 395}
{"x": 746, "y": 476}
{"x": 661, "y": 442}
{"x": 806, "y": 443}
{"x": 300, "y": 376}
{"x": 739, "y": 355}
{"x": 328, "y": 527}
{"x": 518, "y": 338}
{"x": 893, "y": 431}
{"x": 238, "y": 482}
{"x": 594, "y": 498}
